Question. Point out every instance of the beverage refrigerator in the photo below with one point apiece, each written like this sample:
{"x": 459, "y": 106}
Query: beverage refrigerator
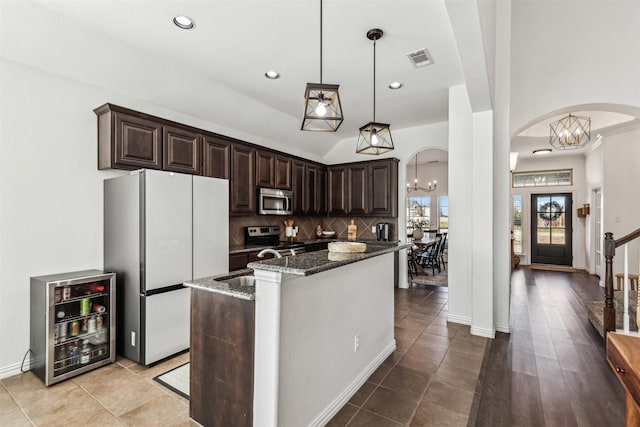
{"x": 72, "y": 324}
{"x": 161, "y": 229}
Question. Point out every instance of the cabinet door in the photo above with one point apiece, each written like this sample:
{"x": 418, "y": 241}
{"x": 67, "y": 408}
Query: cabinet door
{"x": 321, "y": 197}
{"x": 238, "y": 261}
{"x": 337, "y": 178}
{"x": 243, "y": 189}
{"x": 215, "y": 157}
{"x": 298, "y": 187}
{"x": 283, "y": 173}
{"x": 137, "y": 142}
{"x": 311, "y": 189}
{"x": 357, "y": 198}
{"x": 383, "y": 177}
{"x": 265, "y": 169}
{"x": 182, "y": 152}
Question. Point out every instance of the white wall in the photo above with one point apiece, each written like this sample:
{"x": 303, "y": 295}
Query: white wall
{"x": 578, "y": 195}
{"x": 460, "y": 255}
{"x": 593, "y": 170}
{"x": 621, "y": 198}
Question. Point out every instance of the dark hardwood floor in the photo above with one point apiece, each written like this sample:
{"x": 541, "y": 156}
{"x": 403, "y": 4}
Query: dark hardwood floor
{"x": 551, "y": 370}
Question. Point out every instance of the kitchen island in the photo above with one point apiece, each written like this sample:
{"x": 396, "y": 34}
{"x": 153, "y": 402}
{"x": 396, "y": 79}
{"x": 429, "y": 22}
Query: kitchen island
{"x": 292, "y": 348}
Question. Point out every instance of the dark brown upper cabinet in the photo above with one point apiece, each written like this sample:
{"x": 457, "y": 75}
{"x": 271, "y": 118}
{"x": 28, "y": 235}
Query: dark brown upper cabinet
{"x": 298, "y": 187}
{"x": 265, "y": 169}
{"x": 127, "y": 141}
{"x": 337, "y": 181}
{"x": 283, "y": 173}
{"x": 182, "y": 151}
{"x": 272, "y": 170}
{"x": 357, "y": 190}
{"x": 383, "y": 188}
{"x": 215, "y": 156}
{"x": 242, "y": 193}
{"x": 364, "y": 188}
{"x": 321, "y": 200}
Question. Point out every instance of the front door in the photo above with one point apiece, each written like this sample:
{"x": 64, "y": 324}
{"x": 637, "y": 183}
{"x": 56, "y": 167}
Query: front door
{"x": 551, "y": 229}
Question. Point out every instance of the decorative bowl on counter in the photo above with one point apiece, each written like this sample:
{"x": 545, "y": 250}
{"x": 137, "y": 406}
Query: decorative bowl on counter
{"x": 347, "y": 247}
{"x": 328, "y": 233}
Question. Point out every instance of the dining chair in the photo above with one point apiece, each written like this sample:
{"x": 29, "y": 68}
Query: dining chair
{"x": 440, "y": 255}
{"x": 429, "y": 258}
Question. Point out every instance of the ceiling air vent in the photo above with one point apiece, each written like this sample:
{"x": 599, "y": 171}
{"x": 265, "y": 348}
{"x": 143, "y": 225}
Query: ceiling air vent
{"x": 420, "y": 58}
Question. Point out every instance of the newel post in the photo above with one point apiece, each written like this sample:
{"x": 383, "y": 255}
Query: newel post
{"x": 609, "y": 317}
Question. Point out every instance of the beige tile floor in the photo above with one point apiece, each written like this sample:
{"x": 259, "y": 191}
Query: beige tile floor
{"x": 429, "y": 380}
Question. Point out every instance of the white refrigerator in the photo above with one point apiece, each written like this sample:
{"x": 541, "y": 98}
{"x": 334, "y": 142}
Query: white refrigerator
{"x": 161, "y": 229}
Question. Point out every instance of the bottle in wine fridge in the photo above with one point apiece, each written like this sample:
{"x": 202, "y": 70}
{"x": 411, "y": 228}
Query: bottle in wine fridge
{"x": 72, "y": 324}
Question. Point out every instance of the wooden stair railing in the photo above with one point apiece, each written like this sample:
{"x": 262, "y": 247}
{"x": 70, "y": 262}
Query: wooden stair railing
{"x": 610, "y": 245}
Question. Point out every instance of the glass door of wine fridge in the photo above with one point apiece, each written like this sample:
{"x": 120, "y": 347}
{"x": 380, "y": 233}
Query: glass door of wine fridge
{"x": 72, "y": 323}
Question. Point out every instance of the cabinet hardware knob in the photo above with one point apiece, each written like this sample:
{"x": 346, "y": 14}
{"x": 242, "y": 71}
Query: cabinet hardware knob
{"x": 620, "y": 370}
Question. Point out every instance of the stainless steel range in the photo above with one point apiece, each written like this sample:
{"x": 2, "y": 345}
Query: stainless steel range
{"x": 269, "y": 236}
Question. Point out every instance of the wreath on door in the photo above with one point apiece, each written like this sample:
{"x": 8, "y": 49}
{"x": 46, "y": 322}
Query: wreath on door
{"x": 550, "y": 211}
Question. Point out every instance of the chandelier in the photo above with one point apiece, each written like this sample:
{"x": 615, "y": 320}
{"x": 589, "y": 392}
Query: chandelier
{"x": 374, "y": 137}
{"x": 415, "y": 186}
{"x": 570, "y": 132}
{"x": 322, "y": 109}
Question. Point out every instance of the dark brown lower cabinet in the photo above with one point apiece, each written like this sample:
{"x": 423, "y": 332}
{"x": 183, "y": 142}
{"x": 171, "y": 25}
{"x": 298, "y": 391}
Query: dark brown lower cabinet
{"x": 221, "y": 355}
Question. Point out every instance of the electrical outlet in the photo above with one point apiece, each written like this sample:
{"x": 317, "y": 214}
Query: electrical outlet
{"x": 373, "y": 229}
{"x": 356, "y": 342}
{"x": 133, "y": 339}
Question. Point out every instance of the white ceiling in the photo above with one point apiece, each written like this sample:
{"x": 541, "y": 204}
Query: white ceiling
{"x": 236, "y": 41}
{"x": 213, "y": 75}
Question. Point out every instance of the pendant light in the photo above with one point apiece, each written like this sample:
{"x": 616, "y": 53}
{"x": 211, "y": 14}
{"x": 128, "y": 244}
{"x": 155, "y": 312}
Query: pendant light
{"x": 374, "y": 138}
{"x": 570, "y": 132}
{"x": 322, "y": 110}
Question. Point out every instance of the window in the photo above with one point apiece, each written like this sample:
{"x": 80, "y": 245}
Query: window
{"x": 443, "y": 215}
{"x": 551, "y": 178}
{"x": 418, "y": 213}
{"x": 516, "y": 224}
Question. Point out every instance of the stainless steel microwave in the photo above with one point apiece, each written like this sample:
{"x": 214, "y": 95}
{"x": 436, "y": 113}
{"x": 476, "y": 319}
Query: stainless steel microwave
{"x": 275, "y": 202}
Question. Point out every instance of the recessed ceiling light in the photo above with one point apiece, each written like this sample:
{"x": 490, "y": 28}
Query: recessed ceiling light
{"x": 542, "y": 151}
{"x": 271, "y": 74}
{"x": 184, "y": 22}
{"x": 395, "y": 85}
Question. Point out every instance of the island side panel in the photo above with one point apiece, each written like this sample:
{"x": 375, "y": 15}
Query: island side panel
{"x": 222, "y": 358}
{"x": 320, "y": 318}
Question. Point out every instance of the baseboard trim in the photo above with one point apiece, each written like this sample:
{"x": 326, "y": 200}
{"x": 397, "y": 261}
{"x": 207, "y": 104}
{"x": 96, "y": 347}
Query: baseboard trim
{"x": 459, "y": 319}
{"x": 334, "y": 407}
{"x": 503, "y": 328}
{"x": 14, "y": 369}
{"x": 482, "y": 332}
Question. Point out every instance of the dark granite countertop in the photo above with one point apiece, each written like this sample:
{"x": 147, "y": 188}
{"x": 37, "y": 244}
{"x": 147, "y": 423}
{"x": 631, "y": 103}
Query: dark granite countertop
{"x": 227, "y": 284}
{"x": 238, "y": 249}
{"x": 310, "y": 263}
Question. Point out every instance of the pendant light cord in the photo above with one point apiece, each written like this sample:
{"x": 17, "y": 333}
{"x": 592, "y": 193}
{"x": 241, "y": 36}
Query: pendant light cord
{"x": 320, "y": 41}
{"x": 374, "y": 80}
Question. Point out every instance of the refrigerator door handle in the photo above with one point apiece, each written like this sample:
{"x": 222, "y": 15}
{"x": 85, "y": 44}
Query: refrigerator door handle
{"x": 157, "y": 291}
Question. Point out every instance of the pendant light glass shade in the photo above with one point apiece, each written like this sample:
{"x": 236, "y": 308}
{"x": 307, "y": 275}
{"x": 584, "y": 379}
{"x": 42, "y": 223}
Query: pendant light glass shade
{"x": 374, "y": 138}
{"x": 322, "y": 109}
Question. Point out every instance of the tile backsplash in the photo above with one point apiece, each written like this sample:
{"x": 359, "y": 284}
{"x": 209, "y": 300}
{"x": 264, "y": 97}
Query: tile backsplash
{"x": 307, "y": 226}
